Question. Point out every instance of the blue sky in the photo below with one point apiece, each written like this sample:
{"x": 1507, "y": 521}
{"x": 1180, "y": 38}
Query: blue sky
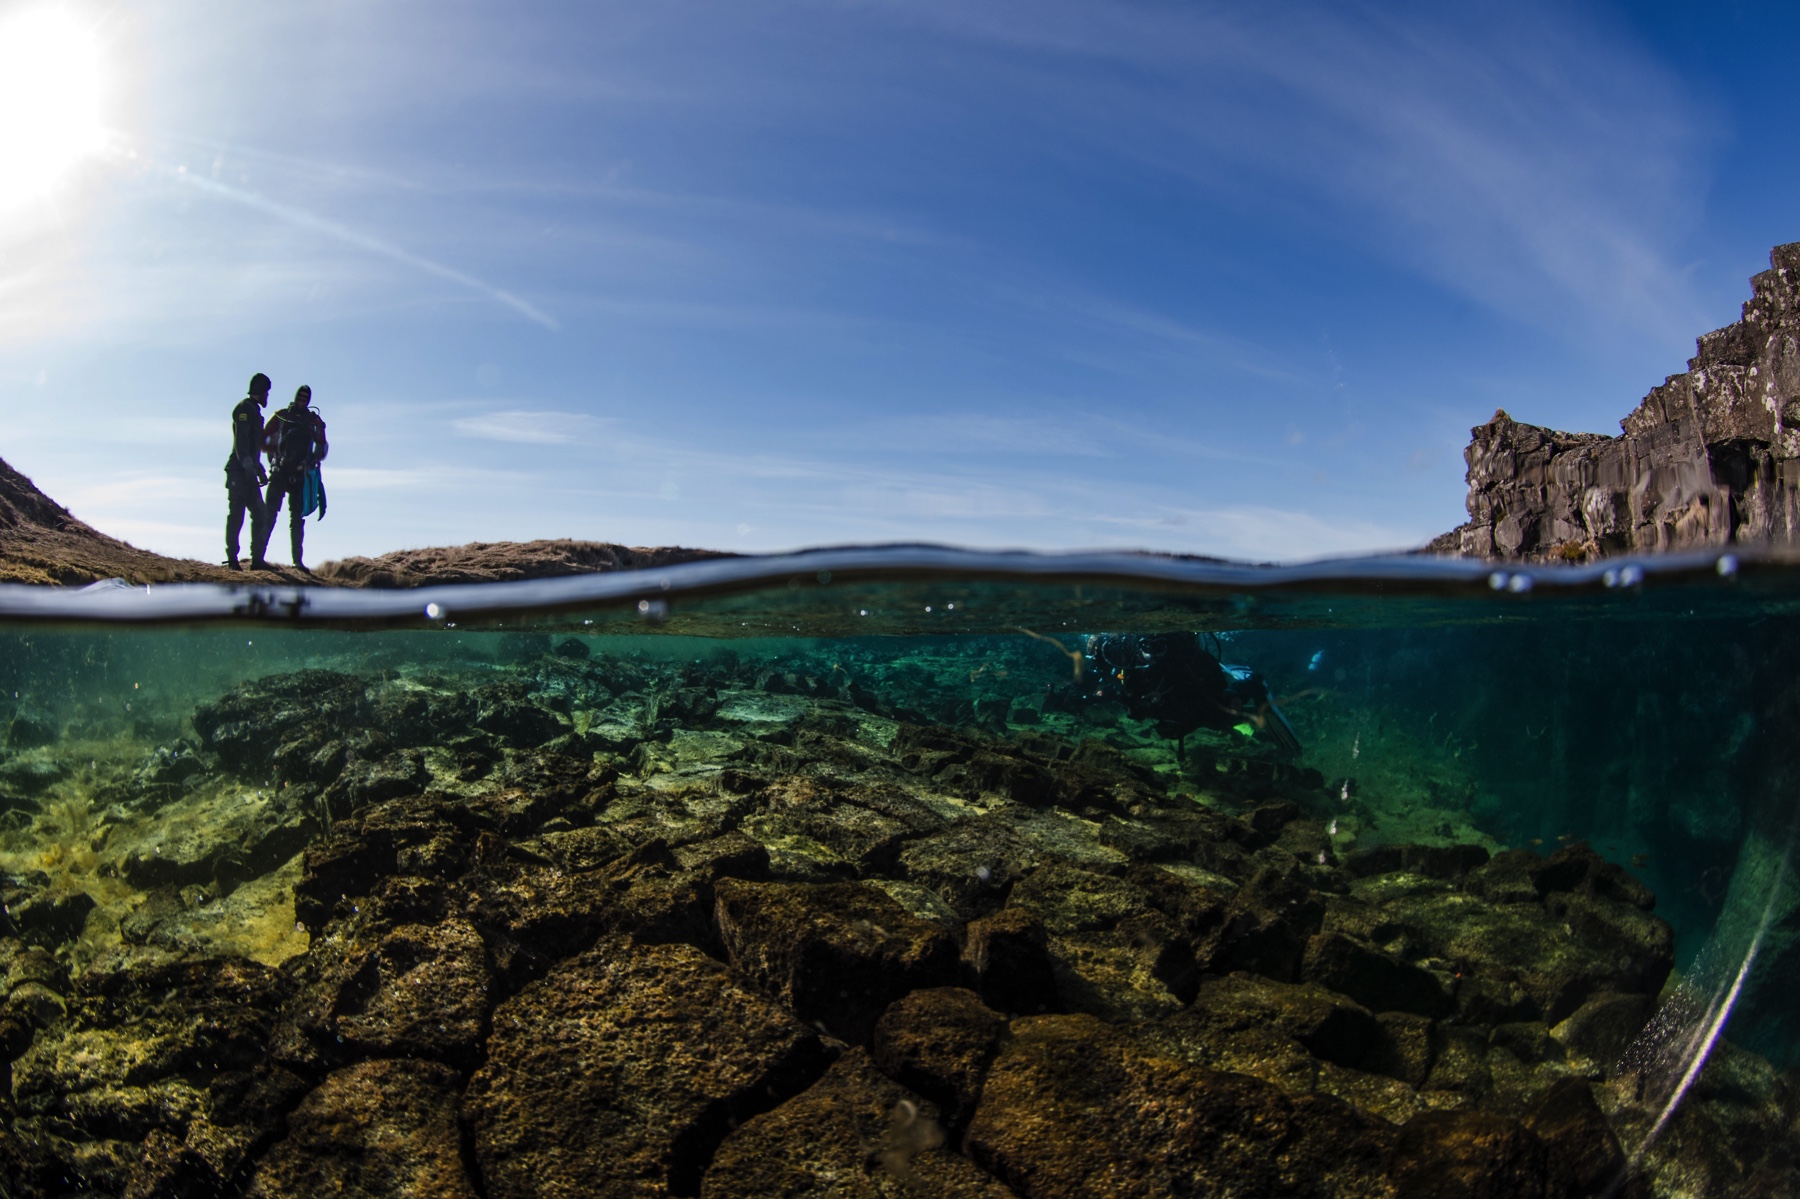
{"x": 1229, "y": 279}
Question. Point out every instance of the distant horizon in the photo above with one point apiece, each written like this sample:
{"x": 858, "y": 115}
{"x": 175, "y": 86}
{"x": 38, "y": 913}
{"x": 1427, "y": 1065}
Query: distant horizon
{"x": 1198, "y": 280}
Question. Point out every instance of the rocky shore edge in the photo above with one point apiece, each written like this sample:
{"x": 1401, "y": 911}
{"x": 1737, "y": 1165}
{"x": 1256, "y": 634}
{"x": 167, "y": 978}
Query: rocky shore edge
{"x": 41, "y": 542}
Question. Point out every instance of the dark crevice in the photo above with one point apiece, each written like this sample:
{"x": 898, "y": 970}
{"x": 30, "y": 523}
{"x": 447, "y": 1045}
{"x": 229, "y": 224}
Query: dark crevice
{"x": 692, "y": 1150}
{"x": 470, "y": 1161}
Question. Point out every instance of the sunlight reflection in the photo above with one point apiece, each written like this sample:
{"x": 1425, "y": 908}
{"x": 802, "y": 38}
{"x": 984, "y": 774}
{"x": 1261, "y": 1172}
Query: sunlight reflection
{"x": 49, "y": 101}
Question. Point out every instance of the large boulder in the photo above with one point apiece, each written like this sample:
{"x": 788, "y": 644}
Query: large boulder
{"x": 836, "y": 953}
{"x": 621, "y": 1071}
{"x": 1071, "y": 1108}
{"x": 377, "y": 1129}
{"x": 852, "y": 1135}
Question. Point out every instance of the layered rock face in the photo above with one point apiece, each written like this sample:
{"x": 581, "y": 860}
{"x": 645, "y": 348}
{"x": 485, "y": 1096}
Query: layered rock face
{"x": 1709, "y": 458}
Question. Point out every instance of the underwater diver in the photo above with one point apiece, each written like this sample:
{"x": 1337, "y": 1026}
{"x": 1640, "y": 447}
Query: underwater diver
{"x": 295, "y": 440}
{"x": 244, "y": 474}
{"x": 1171, "y": 680}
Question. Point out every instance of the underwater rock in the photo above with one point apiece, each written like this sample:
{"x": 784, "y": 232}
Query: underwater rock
{"x": 29, "y": 730}
{"x": 1471, "y": 1155}
{"x": 621, "y": 1071}
{"x": 166, "y": 767}
{"x": 1510, "y": 877}
{"x": 1578, "y": 870}
{"x": 33, "y": 986}
{"x": 859, "y": 828}
{"x": 1071, "y": 1108}
{"x": 1602, "y": 1029}
{"x": 572, "y": 647}
{"x": 31, "y": 776}
{"x": 1446, "y": 862}
{"x": 41, "y": 913}
{"x": 940, "y": 1042}
{"x": 541, "y": 916}
{"x": 507, "y": 711}
{"x": 1112, "y": 956}
{"x": 1581, "y": 1144}
{"x": 1374, "y": 978}
{"x": 733, "y": 855}
{"x": 1406, "y": 1048}
{"x": 155, "y": 1041}
{"x": 1009, "y": 955}
{"x": 1301, "y": 1037}
{"x": 972, "y": 768}
{"x": 836, "y": 953}
{"x": 1323, "y": 1023}
{"x": 553, "y": 917}
{"x": 409, "y": 836}
{"x": 247, "y": 724}
{"x": 853, "y": 1134}
{"x": 1111, "y": 951}
{"x": 1071, "y": 900}
{"x": 971, "y": 864}
{"x": 378, "y": 1128}
{"x": 1267, "y": 925}
{"x": 1515, "y": 960}
{"x": 421, "y": 991}
{"x": 359, "y": 781}
{"x": 201, "y": 842}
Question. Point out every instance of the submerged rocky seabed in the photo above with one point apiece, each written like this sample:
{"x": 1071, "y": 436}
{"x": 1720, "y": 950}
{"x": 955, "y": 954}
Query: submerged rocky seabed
{"x": 838, "y": 921}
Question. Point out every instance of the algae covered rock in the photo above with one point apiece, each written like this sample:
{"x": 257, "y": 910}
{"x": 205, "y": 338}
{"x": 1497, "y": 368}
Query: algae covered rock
{"x": 246, "y": 726}
{"x": 1071, "y": 1108}
{"x": 620, "y": 1072}
{"x": 378, "y": 1128}
{"x": 1009, "y": 956}
{"x": 853, "y": 1134}
{"x": 940, "y": 1042}
{"x": 837, "y": 953}
{"x": 155, "y": 1042}
{"x": 420, "y": 991}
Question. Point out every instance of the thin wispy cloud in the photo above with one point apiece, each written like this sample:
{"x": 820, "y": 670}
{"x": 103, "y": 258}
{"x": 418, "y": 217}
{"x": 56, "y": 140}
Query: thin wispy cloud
{"x": 1512, "y": 155}
{"x": 354, "y": 237}
{"x": 525, "y": 428}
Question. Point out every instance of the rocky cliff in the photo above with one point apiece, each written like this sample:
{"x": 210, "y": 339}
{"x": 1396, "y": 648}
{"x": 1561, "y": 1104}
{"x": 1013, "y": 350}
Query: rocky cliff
{"x": 1710, "y": 457}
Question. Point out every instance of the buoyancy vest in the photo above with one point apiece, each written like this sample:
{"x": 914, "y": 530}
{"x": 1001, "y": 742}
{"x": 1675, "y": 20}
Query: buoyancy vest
{"x": 296, "y": 439}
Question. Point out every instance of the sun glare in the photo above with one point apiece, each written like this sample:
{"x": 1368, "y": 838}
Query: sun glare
{"x": 49, "y": 101}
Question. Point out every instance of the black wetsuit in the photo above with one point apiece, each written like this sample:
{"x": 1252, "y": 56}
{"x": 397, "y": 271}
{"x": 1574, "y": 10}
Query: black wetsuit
{"x": 243, "y": 479}
{"x": 295, "y": 439}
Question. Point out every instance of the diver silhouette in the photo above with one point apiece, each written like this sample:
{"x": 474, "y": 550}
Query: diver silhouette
{"x": 1171, "y": 680}
{"x": 295, "y": 440}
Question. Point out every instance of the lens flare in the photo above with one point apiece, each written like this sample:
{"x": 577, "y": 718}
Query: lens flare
{"x": 49, "y": 101}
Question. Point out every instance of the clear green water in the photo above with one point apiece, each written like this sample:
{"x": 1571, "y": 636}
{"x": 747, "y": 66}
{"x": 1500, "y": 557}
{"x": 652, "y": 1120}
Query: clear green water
{"x": 1658, "y": 725}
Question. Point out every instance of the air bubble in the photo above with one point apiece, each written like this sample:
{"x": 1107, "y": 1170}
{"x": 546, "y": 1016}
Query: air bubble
{"x": 1727, "y": 565}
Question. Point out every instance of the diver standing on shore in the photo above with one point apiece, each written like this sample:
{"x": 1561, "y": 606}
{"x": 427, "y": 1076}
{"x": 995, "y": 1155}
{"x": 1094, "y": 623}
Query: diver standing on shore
{"x": 244, "y": 474}
{"x": 295, "y": 441}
